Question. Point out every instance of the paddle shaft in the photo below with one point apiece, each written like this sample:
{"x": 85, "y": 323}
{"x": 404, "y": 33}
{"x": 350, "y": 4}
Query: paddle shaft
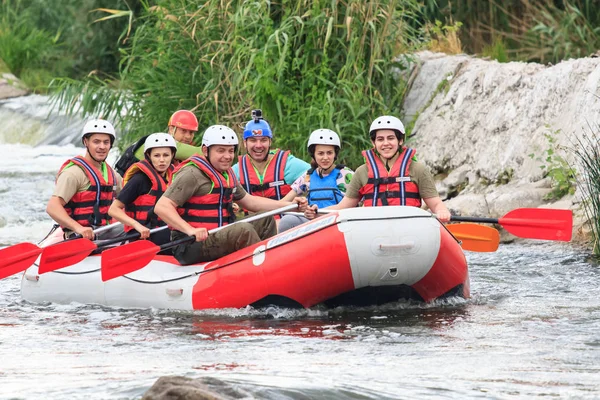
{"x": 482, "y": 220}
{"x": 97, "y": 230}
{"x": 256, "y": 217}
{"x": 129, "y": 236}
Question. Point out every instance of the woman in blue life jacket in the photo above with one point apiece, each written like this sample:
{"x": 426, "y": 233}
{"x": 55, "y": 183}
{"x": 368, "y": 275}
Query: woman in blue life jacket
{"x": 325, "y": 182}
{"x": 143, "y": 184}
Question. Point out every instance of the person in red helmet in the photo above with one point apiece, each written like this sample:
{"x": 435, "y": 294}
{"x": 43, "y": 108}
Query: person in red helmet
{"x": 183, "y": 125}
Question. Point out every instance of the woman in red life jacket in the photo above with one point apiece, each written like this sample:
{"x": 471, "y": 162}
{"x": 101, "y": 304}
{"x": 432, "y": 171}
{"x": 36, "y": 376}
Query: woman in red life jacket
{"x": 144, "y": 183}
{"x": 391, "y": 176}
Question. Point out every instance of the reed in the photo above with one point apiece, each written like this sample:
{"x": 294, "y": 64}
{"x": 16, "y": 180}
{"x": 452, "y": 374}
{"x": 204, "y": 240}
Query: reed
{"x": 541, "y": 30}
{"x": 307, "y": 64}
{"x": 586, "y": 148}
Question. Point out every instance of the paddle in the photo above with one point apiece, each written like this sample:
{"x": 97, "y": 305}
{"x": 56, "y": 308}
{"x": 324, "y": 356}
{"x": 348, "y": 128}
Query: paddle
{"x": 473, "y": 237}
{"x": 532, "y": 223}
{"x": 19, "y": 257}
{"x": 71, "y": 252}
{"x": 131, "y": 257}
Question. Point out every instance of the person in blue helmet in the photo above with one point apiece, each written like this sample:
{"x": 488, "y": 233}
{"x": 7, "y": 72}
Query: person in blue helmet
{"x": 263, "y": 171}
{"x": 324, "y": 184}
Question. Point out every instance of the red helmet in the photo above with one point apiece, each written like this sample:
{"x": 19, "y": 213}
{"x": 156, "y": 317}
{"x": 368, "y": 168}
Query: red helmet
{"x": 184, "y": 119}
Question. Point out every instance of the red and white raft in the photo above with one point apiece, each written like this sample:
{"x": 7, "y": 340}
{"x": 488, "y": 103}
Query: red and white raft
{"x": 359, "y": 256}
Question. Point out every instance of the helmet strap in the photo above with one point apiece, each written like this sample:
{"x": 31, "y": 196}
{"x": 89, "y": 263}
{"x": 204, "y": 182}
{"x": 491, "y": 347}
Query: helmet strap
{"x": 92, "y": 157}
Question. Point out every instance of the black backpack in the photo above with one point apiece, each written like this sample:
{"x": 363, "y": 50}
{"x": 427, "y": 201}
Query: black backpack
{"x": 128, "y": 157}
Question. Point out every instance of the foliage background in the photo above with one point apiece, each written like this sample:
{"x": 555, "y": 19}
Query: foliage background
{"x": 307, "y": 64}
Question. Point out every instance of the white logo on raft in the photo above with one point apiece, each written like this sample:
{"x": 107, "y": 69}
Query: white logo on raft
{"x": 305, "y": 230}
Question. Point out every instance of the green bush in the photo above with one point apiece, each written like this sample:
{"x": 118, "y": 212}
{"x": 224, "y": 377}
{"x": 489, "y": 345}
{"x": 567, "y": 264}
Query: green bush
{"x": 43, "y": 39}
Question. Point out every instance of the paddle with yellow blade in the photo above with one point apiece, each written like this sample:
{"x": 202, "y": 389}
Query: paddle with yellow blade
{"x": 131, "y": 257}
{"x": 18, "y": 258}
{"x": 474, "y": 237}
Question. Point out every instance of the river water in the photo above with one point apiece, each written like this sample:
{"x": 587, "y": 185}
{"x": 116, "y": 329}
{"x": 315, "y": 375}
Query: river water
{"x": 531, "y": 329}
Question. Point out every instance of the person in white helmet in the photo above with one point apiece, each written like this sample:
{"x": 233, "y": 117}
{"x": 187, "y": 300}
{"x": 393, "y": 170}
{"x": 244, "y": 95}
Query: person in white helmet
{"x": 83, "y": 194}
{"x": 143, "y": 184}
{"x": 201, "y": 198}
{"x": 324, "y": 184}
{"x": 391, "y": 175}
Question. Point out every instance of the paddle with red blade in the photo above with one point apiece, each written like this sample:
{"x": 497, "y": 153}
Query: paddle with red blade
{"x": 19, "y": 257}
{"x": 532, "y": 223}
{"x": 473, "y": 237}
{"x": 131, "y": 257}
{"x": 64, "y": 254}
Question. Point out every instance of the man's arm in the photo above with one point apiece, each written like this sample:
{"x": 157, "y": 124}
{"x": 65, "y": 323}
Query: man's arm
{"x": 56, "y": 211}
{"x": 294, "y": 168}
{"x": 256, "y": 203}
{"x": 166, "y": 209}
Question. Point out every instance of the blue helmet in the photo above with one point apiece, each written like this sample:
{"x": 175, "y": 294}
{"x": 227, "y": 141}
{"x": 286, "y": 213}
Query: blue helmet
{"x": 258, "y": 128}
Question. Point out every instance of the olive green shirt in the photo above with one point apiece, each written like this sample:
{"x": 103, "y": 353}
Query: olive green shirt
{"x": 419, "y": 174}
{"x": 191, "y": 181}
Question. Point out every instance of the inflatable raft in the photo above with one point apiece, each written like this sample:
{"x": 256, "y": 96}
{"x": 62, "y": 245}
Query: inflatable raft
{"x": 357, "y": 256}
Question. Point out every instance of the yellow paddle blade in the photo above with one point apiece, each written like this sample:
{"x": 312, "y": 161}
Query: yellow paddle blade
{"x": 474, "y": 237}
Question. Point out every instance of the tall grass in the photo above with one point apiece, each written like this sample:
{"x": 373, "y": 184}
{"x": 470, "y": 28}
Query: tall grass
{"x": 541, "y": 30}
{"x": 587, "y": 151}
{"x": 307, "y": 64}
{"x": 42, "y": 39}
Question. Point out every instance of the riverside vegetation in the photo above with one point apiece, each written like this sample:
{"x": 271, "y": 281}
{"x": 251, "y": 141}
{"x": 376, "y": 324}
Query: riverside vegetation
{"x": 306, "y": 63}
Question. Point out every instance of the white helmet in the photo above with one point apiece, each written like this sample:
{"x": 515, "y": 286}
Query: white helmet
{"x": 159, "y": 140}
{"x": 324, "y": 136}
{"x": 387, "y": 122}
{"x": 219, "y": 134}
{"x": 98, "y": 126}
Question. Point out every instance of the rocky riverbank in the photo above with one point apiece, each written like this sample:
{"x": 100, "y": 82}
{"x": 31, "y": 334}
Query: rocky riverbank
{"x": 10, "y": 85}
{"x": 483, "y": 127}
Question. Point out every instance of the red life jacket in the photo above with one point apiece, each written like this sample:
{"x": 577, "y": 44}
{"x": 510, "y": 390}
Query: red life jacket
{"x": 90, "y": 207}
{"x": 393, "y": 188}
{"x": 142, "y": 208}
{"x": 216, "y": 208}
{"x": 273, "y": 186}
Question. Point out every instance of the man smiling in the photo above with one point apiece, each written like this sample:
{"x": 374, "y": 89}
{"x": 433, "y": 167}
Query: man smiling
{"x": 83, "y": 195}
{"x": 201, "y": 198}
{"x": 264, "y": 172}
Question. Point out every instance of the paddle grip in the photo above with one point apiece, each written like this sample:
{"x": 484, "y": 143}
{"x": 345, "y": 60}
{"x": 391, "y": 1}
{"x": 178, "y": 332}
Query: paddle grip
{"x": 456, "y": 218}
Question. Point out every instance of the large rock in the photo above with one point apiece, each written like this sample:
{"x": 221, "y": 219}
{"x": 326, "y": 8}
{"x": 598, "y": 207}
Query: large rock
{"x": 10, "y": 85}
{"x": 482, "y": 125}
{"x": 182, "y": 388}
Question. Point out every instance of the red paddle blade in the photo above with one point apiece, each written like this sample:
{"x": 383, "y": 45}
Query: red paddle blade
{"x": 539, "y": 223}
{"x": 128, "y": 258}
{"x": 474, "y": 237}
{"x": 17, "y": 258}
{"x": 63, "y": 254}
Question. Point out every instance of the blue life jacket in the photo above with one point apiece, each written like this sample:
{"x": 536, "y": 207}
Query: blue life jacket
{"x": 323, "y": 191}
